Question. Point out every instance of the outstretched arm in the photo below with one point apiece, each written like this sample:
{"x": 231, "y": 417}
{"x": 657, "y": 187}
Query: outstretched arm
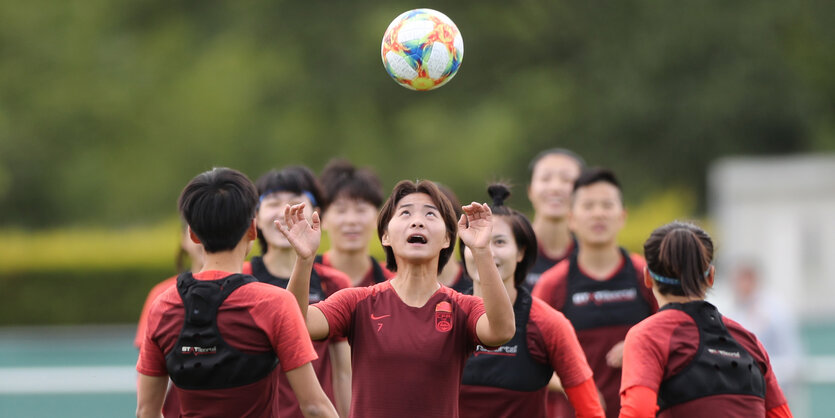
{"x": 304, "y": 236}
{"x": 498, "y": 325}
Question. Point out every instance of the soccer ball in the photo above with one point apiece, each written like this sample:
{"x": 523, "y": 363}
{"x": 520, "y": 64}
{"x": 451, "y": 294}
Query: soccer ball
{"x": 422, "y": 49}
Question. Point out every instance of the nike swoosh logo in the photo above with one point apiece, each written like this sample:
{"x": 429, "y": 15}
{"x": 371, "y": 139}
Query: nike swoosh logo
{"x": 379, "y": 317}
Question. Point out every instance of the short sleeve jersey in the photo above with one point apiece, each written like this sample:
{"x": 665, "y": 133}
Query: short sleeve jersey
{"x": 552, "y": 342}
{"x": 330, "y": 281}
{"x": 257, "y": 317}
{"x": 554, "y": 288}
{"x": 660, "y": 346}
{"x": 376, "y": 274}
{"x": 152, "y": 296}
{"x": 405, "y": 359}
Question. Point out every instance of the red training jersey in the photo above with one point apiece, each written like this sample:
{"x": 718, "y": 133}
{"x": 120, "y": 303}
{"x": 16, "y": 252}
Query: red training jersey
{"x": 551, "y": 341}
{"x": 331, "y": 280}
{"x": 554, "y": 287}
{"x": 660, "y": 346}
{"x": 257, "y": 317}
{"x": 406, "y": 360}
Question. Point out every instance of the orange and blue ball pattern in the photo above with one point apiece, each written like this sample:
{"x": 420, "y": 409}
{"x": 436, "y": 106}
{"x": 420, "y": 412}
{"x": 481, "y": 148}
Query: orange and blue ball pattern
{"x": 422, "y": 49}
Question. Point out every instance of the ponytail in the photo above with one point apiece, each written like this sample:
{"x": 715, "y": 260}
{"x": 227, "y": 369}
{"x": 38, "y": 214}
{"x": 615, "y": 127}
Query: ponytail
{"x": 679, "y": 257}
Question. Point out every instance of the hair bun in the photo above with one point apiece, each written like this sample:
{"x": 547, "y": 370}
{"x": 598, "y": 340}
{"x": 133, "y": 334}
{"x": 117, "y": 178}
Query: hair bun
{"x": 498, "y": 193}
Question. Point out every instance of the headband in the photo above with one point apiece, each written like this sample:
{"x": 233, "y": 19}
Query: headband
{"x": 669, "y": 280}
{"x": 306, "y": 193}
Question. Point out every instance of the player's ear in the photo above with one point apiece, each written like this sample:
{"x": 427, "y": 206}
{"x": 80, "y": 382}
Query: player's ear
{"x": 384, "y": 240}
{"x": 193, "y": 236}
{"x": 252, "y": 231}
{"x": 647, "y": 278}
{"x": 710, "y": 276}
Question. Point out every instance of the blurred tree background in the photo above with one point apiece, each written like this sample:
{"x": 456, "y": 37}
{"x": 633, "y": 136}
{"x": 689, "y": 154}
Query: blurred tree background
{"x": 108, "y": 108}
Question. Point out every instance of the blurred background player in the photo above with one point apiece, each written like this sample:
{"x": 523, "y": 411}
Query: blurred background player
{"x": 553, "y": 173}
{"x": 277, "y": 189}
{"x": 349, "y": 215}
{"x": 410, "y": 336}
{"x": 766, "y": 315}
{"x": 688, "y": 359}
{"x": 454, "y": 275}
{"x": 189, "y": 258}
{"x": 220, "y": 334}
{"x": 512, "y": 380}
{"x": 599, "y": 287}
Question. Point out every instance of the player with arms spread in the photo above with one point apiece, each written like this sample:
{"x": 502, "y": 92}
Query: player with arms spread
{"x": 410, "y": 327}
{"x": 688, "y": 360}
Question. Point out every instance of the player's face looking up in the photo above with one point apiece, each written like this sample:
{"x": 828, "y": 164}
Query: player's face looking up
{"x": 551, "y": 183}
{"x": 505, "y": 251}
{"x": 417, "y": 231}
{"x": 272, "y": 208}
{"x": 350, "y": 223}
{"x": 597, "y": 213}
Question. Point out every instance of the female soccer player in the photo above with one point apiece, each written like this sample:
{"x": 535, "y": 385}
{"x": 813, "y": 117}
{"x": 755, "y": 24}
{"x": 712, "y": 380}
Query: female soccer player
{"x": 277, "y": 189}
{"x": 512, "y": 380}
{"x": 553, "y": 173}
{"x": 410, "y": 336}
{"x": 349, "y": 214}
{"x": 688, "y": 360}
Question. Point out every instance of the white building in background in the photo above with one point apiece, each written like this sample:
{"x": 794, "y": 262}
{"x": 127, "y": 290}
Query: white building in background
{"x": 780, "y": 213}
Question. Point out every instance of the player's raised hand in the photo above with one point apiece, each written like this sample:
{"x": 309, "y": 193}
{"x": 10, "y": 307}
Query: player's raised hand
{"x": 476, "y": 225}
{"x": 304, "y": 236}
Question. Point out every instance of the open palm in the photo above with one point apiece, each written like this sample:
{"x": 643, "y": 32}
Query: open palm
{"x": 476, "y": 225}
{"x": 304, "y": 236}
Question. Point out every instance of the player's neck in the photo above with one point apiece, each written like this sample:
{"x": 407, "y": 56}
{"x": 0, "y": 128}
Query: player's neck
{"x": 451, "y": 271}
{"x": 279, "y": 261}
{"x": 231, "y": 261}
{"x": 667, "y": 299}
{"x": 416, "y": 283}
{"x": 553, "y": 235}
{"x": 599, "y": 261}
{"x": 508, "y": 285}
{"x": 353, "y": 263}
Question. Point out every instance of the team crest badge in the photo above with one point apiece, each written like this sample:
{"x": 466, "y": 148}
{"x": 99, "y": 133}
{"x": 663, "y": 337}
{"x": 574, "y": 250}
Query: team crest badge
{"x": 443, "y": 316}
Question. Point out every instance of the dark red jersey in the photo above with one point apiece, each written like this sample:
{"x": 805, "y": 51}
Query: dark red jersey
{"x": 325, "y": 281}
{"x": 376, "y": 274}
{"x": 601, "y": 311}
{"x": 549, "y": 344}
{"x": 662, "y": 345}
{"x": 407, "y": 361}
{"x": 255, "y": 318}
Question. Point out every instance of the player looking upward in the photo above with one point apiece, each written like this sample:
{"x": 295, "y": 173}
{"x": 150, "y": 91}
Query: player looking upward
{"x": 410, "y": 336}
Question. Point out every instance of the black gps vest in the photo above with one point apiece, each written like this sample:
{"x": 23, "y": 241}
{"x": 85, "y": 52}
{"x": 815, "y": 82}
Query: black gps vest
{"x": 721, "y": 365}
{"x": 593, "y": 303}
{"x": 511, "y": 365}
{"x": 259, "y": 270}
{"x": 201, "y": 358}
{"x": 376, "y": 270}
